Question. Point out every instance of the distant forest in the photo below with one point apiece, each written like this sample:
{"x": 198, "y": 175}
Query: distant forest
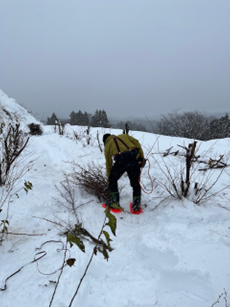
{"x": 193, "y": 125}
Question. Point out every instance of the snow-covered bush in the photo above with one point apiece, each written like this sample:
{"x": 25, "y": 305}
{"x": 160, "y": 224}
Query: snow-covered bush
{"x": 12, "y": 168}
{"x": 12, "y": 143}
{"x": 35, "y": 129}
{"x": 59, "y": 127}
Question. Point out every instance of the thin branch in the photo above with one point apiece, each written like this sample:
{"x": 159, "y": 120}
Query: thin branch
{"x": 59, "y": 277}
{"x": 87, "y": 267}
{"x": 25, "y": 234}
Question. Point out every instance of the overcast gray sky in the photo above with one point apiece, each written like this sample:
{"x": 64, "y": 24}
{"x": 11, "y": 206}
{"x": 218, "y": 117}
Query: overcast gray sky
{"x": 128, "y": 57}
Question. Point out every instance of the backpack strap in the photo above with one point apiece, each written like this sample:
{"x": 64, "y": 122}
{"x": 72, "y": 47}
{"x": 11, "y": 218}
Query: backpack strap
{"x": 115, "y": 141}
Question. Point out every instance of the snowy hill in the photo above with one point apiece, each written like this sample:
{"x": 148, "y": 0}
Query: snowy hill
{"x": 176, "y": 253}
{"x": 10, "y": 111}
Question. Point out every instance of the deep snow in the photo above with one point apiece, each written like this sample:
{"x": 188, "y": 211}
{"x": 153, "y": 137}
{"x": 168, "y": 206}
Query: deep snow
{"x": 174, "y": 254}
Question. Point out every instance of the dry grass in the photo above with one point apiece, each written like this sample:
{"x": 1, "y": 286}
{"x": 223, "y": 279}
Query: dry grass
{"x": 91, "y": 179}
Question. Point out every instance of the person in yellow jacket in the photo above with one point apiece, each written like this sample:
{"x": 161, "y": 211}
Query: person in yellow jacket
{"x": 123, "y": 153}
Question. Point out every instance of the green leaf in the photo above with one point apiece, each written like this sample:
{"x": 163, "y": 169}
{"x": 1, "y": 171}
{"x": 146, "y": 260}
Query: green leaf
{"x": 108, "y": 240}
{"x": 72, "y": 239}
{"x": 105, "y": 253}
{"x": 5, "y": 222}
{"x": 28, "y": 186}
{"x": 112, "y": 223}
{"x": 116, "y": 206}
{"x": 78, "y": 227}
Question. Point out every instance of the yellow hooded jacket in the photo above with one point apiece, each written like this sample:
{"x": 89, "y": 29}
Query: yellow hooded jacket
{"x": 111, "y": 149}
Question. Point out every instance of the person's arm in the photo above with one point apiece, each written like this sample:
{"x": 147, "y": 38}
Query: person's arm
{"x": 108, "y": 161}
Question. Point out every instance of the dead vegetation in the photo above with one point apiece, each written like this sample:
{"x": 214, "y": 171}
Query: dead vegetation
{"x": 91, "y": 179}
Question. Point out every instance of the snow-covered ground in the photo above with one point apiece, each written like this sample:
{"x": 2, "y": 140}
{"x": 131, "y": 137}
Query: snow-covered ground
{"x": 176, "y": 253}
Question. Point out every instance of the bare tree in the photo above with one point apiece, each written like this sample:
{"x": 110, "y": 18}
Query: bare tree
{"x": 193, "y": 125}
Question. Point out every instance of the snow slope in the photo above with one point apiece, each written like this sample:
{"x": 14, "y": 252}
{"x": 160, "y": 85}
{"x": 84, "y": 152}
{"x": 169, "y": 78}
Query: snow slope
{"x": 175, "y": 254}
{"x": 10, "y": 111}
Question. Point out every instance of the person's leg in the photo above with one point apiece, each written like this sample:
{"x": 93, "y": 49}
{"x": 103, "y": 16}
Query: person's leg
{"x": 134, "y": 175}
{"x": 116, "y": 172}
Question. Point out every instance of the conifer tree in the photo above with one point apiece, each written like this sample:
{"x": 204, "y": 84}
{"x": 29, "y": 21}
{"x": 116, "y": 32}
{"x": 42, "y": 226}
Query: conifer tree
{"x": 85, "y": 119}
{"x": 100, "y": 119}
{"x": 52, "y": 120}
{"x": 82, "y": 119}
{"x": 220, "y": 127}
{"x": 73, "y": 118}
{"x": 79, "y": 118}
{"x": 104, "y": 119}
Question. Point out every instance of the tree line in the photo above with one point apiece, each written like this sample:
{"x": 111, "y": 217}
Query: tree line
{"x": 192, "y": 125}
{"x": 99, "y": 119}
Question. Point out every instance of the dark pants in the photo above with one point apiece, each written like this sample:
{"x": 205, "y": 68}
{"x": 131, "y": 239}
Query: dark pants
{"x": 125, "y": 162}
